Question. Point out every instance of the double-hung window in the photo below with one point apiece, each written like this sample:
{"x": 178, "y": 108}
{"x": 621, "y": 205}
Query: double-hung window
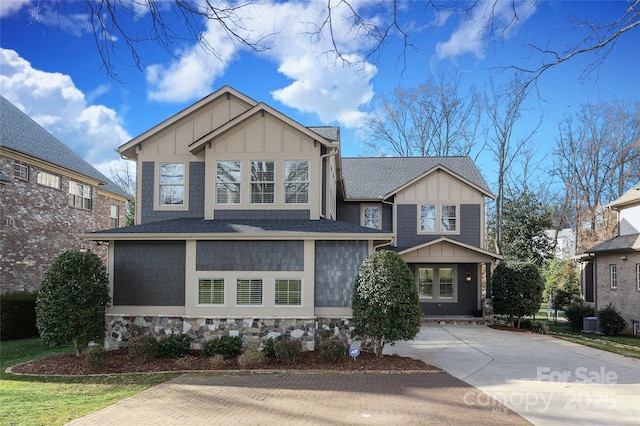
{"x": 263, "y": 182}
{"x": 288, "y": 292}
{"x": 211, "y": 291}
{"x": 171, "y": 184}
{"x": 114, "y": 216}
{"x": 638, "y": 276}
{"x": 79, "y": 195}
{"x": 437, "y": 283}
{"x": 296, "y": 182}
{"x": 21, "y": 171}
{"x": 433, "y": 218}
{"x": 371, "y": 216}
{"x": 613, "y": 275}
{"x": 228, "y": 182}
{"x": 249, "y": 291}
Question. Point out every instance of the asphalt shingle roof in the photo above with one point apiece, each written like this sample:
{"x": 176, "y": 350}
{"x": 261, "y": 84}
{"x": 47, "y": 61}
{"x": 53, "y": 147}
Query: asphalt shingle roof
{"x": 329, "y": 133}
{"x": 279, "y": 227}
{"x": 374, "y": 177}
{"x": 620, "y": 243}
{"x": 20, "y": 133}
{"x": 630, "y": 196}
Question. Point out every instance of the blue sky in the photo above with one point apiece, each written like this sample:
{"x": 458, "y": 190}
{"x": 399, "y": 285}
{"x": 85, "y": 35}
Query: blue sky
{"x": 50, "y": 68}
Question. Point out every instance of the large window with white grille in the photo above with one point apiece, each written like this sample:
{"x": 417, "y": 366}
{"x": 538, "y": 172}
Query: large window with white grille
{"x": 613, "y": 275}
{"x": 211, "y": 291}
{"x": 228, "y": 182}
{"x": 249, "y": 291}
{"x": 172, "y": 184}
{"x": 263, "y": 182}
{"x": 288, "y": 292}
{"x": 638, "y": 276}
{"x": 437, "y": 218}
{"x": 47, "y": 179}
{"x": 296, "y": 182}
{"x": 370, "y": 216}
{"x": 80, "y": 195}
{"x": 21, "y": 171}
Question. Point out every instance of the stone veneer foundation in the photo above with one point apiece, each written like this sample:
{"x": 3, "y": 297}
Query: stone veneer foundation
{"x": 252, "y": 330}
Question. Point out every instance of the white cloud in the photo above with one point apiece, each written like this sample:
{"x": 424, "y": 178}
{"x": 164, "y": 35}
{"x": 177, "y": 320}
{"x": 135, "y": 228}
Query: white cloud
{"x": 52, "y": 100}
{"x": 488, "y": 18}
{"x": 10, "y": 7}
{"x": 320, "y": 82}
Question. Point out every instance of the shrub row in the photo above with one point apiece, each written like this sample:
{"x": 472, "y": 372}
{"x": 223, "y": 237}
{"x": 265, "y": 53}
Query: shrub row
{"x": 611, "y": 322}
{"x": 18, "y": 316}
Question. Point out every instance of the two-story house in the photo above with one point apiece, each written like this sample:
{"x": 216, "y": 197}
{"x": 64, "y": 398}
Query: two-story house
{"x": 252, "y": 224}
{"x": 48, "y": 196}
{"x": 611, "y": 269}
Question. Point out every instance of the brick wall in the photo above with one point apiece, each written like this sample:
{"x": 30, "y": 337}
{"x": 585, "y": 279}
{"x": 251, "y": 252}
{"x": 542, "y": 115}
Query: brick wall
{"x": 37, "y": 224}
{"x": 626, "y": 297}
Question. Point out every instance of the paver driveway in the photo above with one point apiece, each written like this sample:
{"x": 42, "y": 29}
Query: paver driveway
{"x": 546, "y": 380}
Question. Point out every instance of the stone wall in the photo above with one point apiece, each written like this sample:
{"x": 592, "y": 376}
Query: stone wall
{"x": 37, "y": 224}
{"x": 252, "y": 330}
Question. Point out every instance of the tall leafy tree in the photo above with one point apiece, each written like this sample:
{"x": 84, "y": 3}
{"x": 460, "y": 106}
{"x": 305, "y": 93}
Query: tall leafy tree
{"x": 525, "y": 219}
{"x": 72, "y": 301}
{"x": 517, "y": 290}
{"x": 385, "y": 300}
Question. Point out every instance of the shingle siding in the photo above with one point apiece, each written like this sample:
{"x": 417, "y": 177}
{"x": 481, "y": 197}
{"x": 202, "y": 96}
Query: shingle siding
{"x": 149, "y": 273}
{"x": 351, "y": 212}
{"x": 250, "y": 256}
{"x": 262, "y": 214}
{"x": 196, "y": 194}
{"x": 337, "y": 264}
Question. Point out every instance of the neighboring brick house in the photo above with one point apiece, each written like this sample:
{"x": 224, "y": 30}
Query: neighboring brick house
{"x": 48, "y": 196}
{"x": 252, "y": 224}
{"x": 611, "y": 269}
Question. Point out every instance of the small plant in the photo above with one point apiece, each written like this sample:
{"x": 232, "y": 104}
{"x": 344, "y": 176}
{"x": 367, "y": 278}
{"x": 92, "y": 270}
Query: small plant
{"x": 540, "y": 328}
{"x": 269, "y": 344}
{"x": 333, "y": 351}
{"x": 217, "y": 361}
{"x": 287, "y": 350}
{"x": 227, "y": 346}
{"x": 96, "y": 357}
{"x": 526, "y": 324}
{"x": 252, "y": 358}
{"x": 611, "y": 321}
{"x": 576, "y": 312}
{"x": 174, "y": 346}
{"x": 143, "y": 348}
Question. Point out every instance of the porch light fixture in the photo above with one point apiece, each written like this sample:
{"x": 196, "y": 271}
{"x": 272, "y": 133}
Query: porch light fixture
{"x": 468, "y": 277}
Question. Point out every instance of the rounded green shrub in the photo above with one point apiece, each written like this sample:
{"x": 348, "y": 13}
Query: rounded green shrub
{"x": 227, "y": 346}
{"x": 540, "y": 328}
{"x": 143, "y": 348}
{"x": 333, "y": 351}
{"x": 576, "y": 312}
{"x": 174, "y": 346}
{"x": 268, "y": 345}
{"x": 96, "y": 357}
{"x": 611, "y": 322}
{"x": 18, "y": 316}
{"x": 287, "y": 350}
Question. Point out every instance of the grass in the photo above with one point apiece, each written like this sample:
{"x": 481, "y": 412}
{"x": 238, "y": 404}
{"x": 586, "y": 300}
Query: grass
{"x": 45, "y": 400}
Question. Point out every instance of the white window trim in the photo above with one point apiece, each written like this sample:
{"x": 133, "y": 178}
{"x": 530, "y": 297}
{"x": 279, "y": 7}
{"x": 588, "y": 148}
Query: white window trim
{"x": 81, "y": 196}
{"x": 235, "y": 292}
{"x": 288, "y": 306}
{"x": 637, "y": 276}
{"x": 21, "y": 169}
{"x": 156, "y": 188}
{"x": 239, "y": 183}
{"x": 286, "y": 182}
{"x": 224, "y": 295}
{"x": 364, "y": 206}
{"x": 436, "y": 283}
{"x": 43, "y": 173}
{"x": 274, "y": 183}
{"x": 613, "y": 276}
{"x": 438, "y": 208}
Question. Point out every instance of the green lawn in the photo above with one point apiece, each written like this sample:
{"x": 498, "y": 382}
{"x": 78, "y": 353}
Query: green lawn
{"x": 43, "y": 400}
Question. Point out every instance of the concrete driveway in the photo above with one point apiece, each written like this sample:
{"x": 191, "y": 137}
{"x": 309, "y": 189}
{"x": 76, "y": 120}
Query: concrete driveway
{"x": 546, "y": 380}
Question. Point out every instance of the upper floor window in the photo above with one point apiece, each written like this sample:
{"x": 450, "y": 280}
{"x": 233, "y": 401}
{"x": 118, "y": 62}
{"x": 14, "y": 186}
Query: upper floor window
{"x": 114, "y": 216}
{"x": 430, "y": 216}
{"x": 21, "y": 171}
{"x": 228, "y": 181}
{"x": 288, "y": 292}
{"x": 211, "y": 291}
{"x": 79, "y": 195}
{"x": 262, "y": 182}
{"x": 613, "y": 275}
{"x": 47, "y": 179}
{"x": 171, "y": 184}
{"x": 249, "y": 291}
{"x": 371, "y": 217}
{"x": 638, "y": 276}
{"x": 296, "y": 182}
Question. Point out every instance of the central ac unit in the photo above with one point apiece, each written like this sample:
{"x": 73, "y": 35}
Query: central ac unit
{"x": 590, "y": 324}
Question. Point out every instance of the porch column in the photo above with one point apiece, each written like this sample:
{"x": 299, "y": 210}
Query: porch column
{"x": 487, "y": 267}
